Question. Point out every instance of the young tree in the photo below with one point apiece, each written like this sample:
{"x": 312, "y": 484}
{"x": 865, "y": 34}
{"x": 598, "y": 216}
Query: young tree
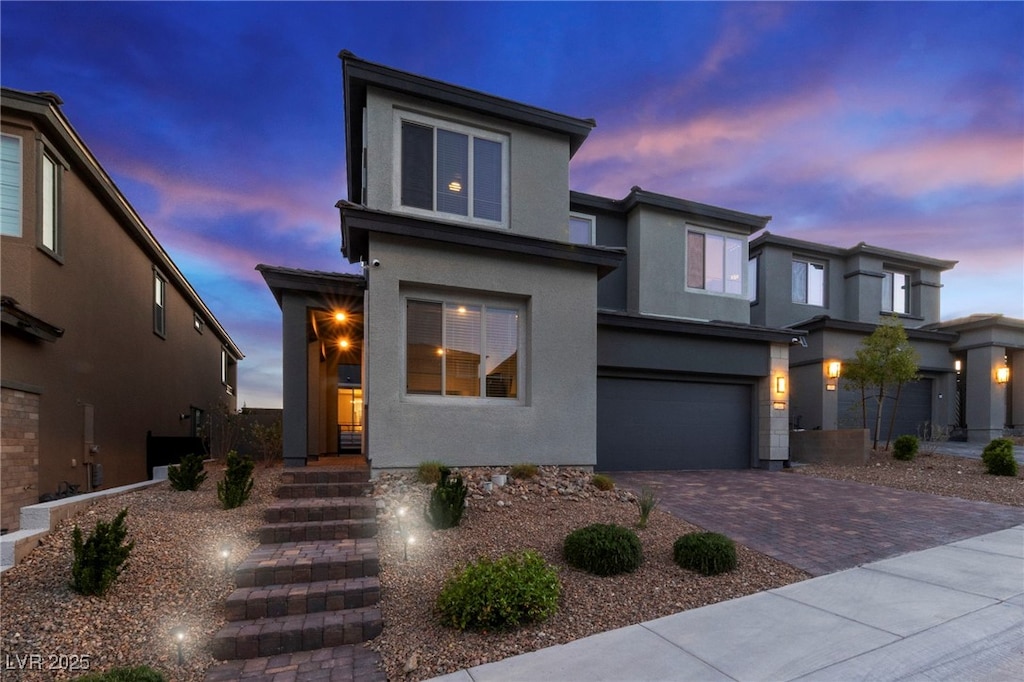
{"x": 884, "y": 362}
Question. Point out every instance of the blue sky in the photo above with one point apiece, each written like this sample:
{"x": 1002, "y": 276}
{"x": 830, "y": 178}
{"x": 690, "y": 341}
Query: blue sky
{"x": 896, "y": 124}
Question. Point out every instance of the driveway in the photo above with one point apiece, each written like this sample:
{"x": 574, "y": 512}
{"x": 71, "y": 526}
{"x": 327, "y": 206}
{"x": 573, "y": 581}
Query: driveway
{"x": 821, "y": 526}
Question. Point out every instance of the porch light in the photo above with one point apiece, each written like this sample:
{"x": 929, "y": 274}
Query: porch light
{"x": 178, "y": 633}
{"x": 340, "y": 316}
{"x": 958, "y": 365}
{"x": 833, "y": 369}
{"x": 780, "y": 384}
{"x": 1003, "y": 375}
{"x": 343, "y": 344}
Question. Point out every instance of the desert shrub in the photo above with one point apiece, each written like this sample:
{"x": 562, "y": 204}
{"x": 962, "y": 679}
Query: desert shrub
{"x": 707, "y": 553}
{"x": 603, "y": 549}
{"x": 905, "y": 447}
{"x": 140, "y": 673}
{"x": 503, "y": 593}
{"x": 447, "y": 501}
{"x": 523, "y": 471}
{"x": 646, "y": 502}
{"x": 236, "y": 487}
{"x": 429, "y": 471}
{"x": 100, "y": 558}
{"x": 998, "y": 458}
{"x": 602, "y": 482}
{"x": 188, "y": 475}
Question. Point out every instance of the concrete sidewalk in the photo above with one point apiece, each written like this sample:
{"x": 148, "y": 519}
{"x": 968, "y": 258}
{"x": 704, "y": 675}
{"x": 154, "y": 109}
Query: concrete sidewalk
{"x": 950, "y": 612}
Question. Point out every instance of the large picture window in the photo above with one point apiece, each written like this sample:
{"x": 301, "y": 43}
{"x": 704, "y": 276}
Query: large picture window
{"x": 462, "y": 349}
{"x": 452, "y": 169}
{"x": 714, "y": 263}
{"x": 808, "y": 282}
{"x": 896, "y": 292}
{"x": 10, "y": 186}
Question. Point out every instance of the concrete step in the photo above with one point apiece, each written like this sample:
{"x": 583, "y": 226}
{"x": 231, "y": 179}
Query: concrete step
{"x": 301, "y": 632}
{"x": 271, "y": 601}
{"x": 360, "y": 664}
{"x": 313, "y": 509}
{"x": 324, "y": 475}
{"x": 291, "y": 491}
{"x": 297, "y": 562}
{"x": 302, "y": 531}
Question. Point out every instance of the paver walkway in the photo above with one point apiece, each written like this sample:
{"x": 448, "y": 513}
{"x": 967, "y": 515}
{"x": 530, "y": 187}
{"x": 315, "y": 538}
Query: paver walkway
{"x": 821, "y": 526}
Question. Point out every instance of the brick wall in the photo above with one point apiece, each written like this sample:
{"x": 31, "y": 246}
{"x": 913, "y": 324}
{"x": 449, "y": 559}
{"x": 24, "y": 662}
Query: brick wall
{"x": 19, "y": 464}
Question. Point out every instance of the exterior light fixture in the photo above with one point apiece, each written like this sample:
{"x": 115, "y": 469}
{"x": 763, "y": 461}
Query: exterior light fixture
{"x": 1003, "y": 375}
{"x": 780, "y": 384}
{"x": 779, "y": 405}
{"x": 340, "y": 316}
{"x": 454, "y": 186}
{"x": 225, "y": 553}
{"x": 343, "y": 344}
{"x": 958, "y": 365}
{"x": 833, "y": 369}
{"x": 408, "y": 541}
{"x": 178, "y": 633}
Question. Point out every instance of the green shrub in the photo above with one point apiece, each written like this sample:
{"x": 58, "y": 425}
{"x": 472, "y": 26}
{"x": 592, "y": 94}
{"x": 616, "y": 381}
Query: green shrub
{"x": 505, "y": 593}
{"x": 447, "y": 501}
{"x": 707, "y": 553}
{"x": 904, "y": 448}
{"x": 647, "y": 502}
{"x": 100, "y": 558}
{"x": 998, "y": 458}
{"x": 236, "y": 487}
{"x": 603, "y": 549}
{"x": 140, "y": 673}
{"x": 429, "y": 471}
{"x": 189, "y": 474}
{"x": 521, "y": 472}
{"x": 602, "y": 482}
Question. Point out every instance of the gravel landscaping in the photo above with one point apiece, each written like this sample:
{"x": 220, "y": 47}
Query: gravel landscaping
{"x": 176, "y": 577}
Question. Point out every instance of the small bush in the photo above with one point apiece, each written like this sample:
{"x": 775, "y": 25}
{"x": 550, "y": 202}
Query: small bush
{"x": 447, "y": 501}
{"x": 603, "y": 549}
{"x": 905, "y": 447}
{"x": 505, "y": 593}
{"x": 429, "y": 471}
{"x": 141, "y": 673}
{"x": 602, "y": 482}
{"x": 521, "y": 472}
{"x": 189, "y": 474}
{"x": 647, "y": 502}
{"x": 707, "y": 553}
{"x": 236, "y": 487}
{"x": 998, "y": 458}
{"x": 100, "y": 558}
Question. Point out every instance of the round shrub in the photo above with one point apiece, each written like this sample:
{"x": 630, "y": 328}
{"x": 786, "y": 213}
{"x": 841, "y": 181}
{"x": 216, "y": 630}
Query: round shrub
{"x": 603, "y": 549}
{"x": 602, "y": 482}
{"x": 505, "y": 593}
{"x": 904, "y": 448}
{"x": 707, "y": 553}
{"x": 429, "y": 471}
{"x": 998, "y": 458}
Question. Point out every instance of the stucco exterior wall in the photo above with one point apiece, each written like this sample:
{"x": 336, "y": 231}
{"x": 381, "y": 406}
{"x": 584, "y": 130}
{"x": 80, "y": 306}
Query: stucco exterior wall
{"x": 552, "y": 422}
{"x": 538, "y": 164}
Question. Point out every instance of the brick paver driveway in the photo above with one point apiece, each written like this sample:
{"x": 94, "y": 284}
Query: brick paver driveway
{"x": 818, "y": 525}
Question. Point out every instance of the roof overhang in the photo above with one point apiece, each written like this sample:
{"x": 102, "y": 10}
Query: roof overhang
{"x": 826, "y": 323}
{"x": 692, "y": 211}
{"x": 12, "y": 315}
{"x": 899, "y": 258}
{"x": 283, "y": 280}
{"x": 714, "y": 328}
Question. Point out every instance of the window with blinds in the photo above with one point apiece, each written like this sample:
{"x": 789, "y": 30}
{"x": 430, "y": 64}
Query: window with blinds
{"x": 10, "y": 186}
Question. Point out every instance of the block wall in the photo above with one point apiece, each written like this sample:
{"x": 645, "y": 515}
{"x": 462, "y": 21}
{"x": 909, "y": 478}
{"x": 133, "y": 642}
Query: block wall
{"x": 19, "y": 463}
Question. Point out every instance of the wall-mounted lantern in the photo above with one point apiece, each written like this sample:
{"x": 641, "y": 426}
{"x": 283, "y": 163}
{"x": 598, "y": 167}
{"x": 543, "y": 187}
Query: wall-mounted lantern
{"x": 1002, "y": 375}
{"x": 780, "y": 384}
{"x": 958, "y": 365}
{"x": 833, "y": 368}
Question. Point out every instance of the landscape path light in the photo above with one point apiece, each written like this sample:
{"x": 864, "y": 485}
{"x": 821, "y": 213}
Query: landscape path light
{"x": 178, "y": 633}
{"x": 225, "y": 553}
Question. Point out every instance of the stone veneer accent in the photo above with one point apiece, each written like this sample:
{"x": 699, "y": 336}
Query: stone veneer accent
{"x": 773, "y": 425}
{"x": 19, "y": 466}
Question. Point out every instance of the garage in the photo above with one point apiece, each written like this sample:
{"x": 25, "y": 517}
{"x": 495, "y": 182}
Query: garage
{"x": 651, "y": 424}
{"x": 915, "y": 408}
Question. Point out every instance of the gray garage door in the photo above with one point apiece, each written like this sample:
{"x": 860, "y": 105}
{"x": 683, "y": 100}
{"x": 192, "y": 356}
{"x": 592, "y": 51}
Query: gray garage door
{"x": 914, "y": 410}
{"x": 651, "y": 425}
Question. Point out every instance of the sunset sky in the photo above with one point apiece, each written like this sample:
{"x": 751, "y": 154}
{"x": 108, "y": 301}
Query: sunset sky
{"x": 896, "y": 124}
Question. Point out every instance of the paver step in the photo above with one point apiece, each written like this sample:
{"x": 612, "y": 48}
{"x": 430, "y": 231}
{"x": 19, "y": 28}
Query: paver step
{"x": 313, "y": 509}
{"x": 321, "y": 475}
{"x": 301, "y": 531}
{"x": 295, "y": 562}
{"x": 290, "y": 491}
{"x": 349, "y": 662}
{"x": 270, "y": 601}
{"x": 300, "y": 632}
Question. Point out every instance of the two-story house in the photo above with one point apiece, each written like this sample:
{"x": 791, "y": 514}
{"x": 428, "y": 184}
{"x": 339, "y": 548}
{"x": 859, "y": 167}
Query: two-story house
{"x": 501, "y": 318}
{"x": 104, "y": 340}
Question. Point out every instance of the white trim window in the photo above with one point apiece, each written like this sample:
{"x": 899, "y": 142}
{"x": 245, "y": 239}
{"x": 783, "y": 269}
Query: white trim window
{"x": 808, "y": 282}
{"x": 463, "y": 348}
{"x": 451, "y": 169}
{"x": 896, "y": 292}
{"x": 159, "y": 304}
{"x": 582, "y": 228}
{"x": 49, "y": 191}
{"x": 10, "y": 185}
{"x": 714, "y": 263}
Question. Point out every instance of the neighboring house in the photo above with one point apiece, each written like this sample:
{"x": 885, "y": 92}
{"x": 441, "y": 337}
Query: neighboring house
{"x": 501, "y": 318}
{"x": 104, "y": 340}
{"x": 839, "y": 295}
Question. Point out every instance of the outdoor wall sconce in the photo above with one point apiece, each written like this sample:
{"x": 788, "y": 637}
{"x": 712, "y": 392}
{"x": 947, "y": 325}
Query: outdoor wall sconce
{"x": 343, "y": 344}
{"x": 833, "y": 369}
{"x": 340, "y": 316}
{"x": 958, "y": 365}
{"x": 1003, "y": 375}
{"x": 178, "y": 633}
{"x": 780, "y": 384}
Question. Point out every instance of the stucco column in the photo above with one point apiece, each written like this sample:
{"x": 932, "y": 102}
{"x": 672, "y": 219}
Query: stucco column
{"x": 294, "y": 393}
{"x": 986, "y": 400}
{"x": 773, "y": 424}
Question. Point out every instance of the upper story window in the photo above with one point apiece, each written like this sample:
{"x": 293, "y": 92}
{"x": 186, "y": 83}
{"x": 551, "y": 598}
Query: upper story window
{"x": 464, "y": 348}
{"x": 10, "y": 186}
{"x": 808, "y": 282}
{"x": 451, "y": 169}
{"x": 582, "y": 228}
{"x": 50, "y": 237}
{"x": 159, "y": 304}
{"x": 896, "y": 292}
{"x": 228, "y": 366}
{"x": 197, "y": 322}
{"x": 714, "y": 263}
{"x": 752, "y": 266}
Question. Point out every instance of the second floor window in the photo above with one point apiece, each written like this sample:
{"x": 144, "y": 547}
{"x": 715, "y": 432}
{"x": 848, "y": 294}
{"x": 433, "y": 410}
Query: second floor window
{"x": 714, "y": 263}
{"x": 581, "y": 228}
{"x": 808, "y": 282}
{"x": 159, "y": 304}
{"x": 50, "y": 228}
{"x": 10, "y": 186}
{"x": 453, "y": 170}
{"x": 896, "y": 292}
